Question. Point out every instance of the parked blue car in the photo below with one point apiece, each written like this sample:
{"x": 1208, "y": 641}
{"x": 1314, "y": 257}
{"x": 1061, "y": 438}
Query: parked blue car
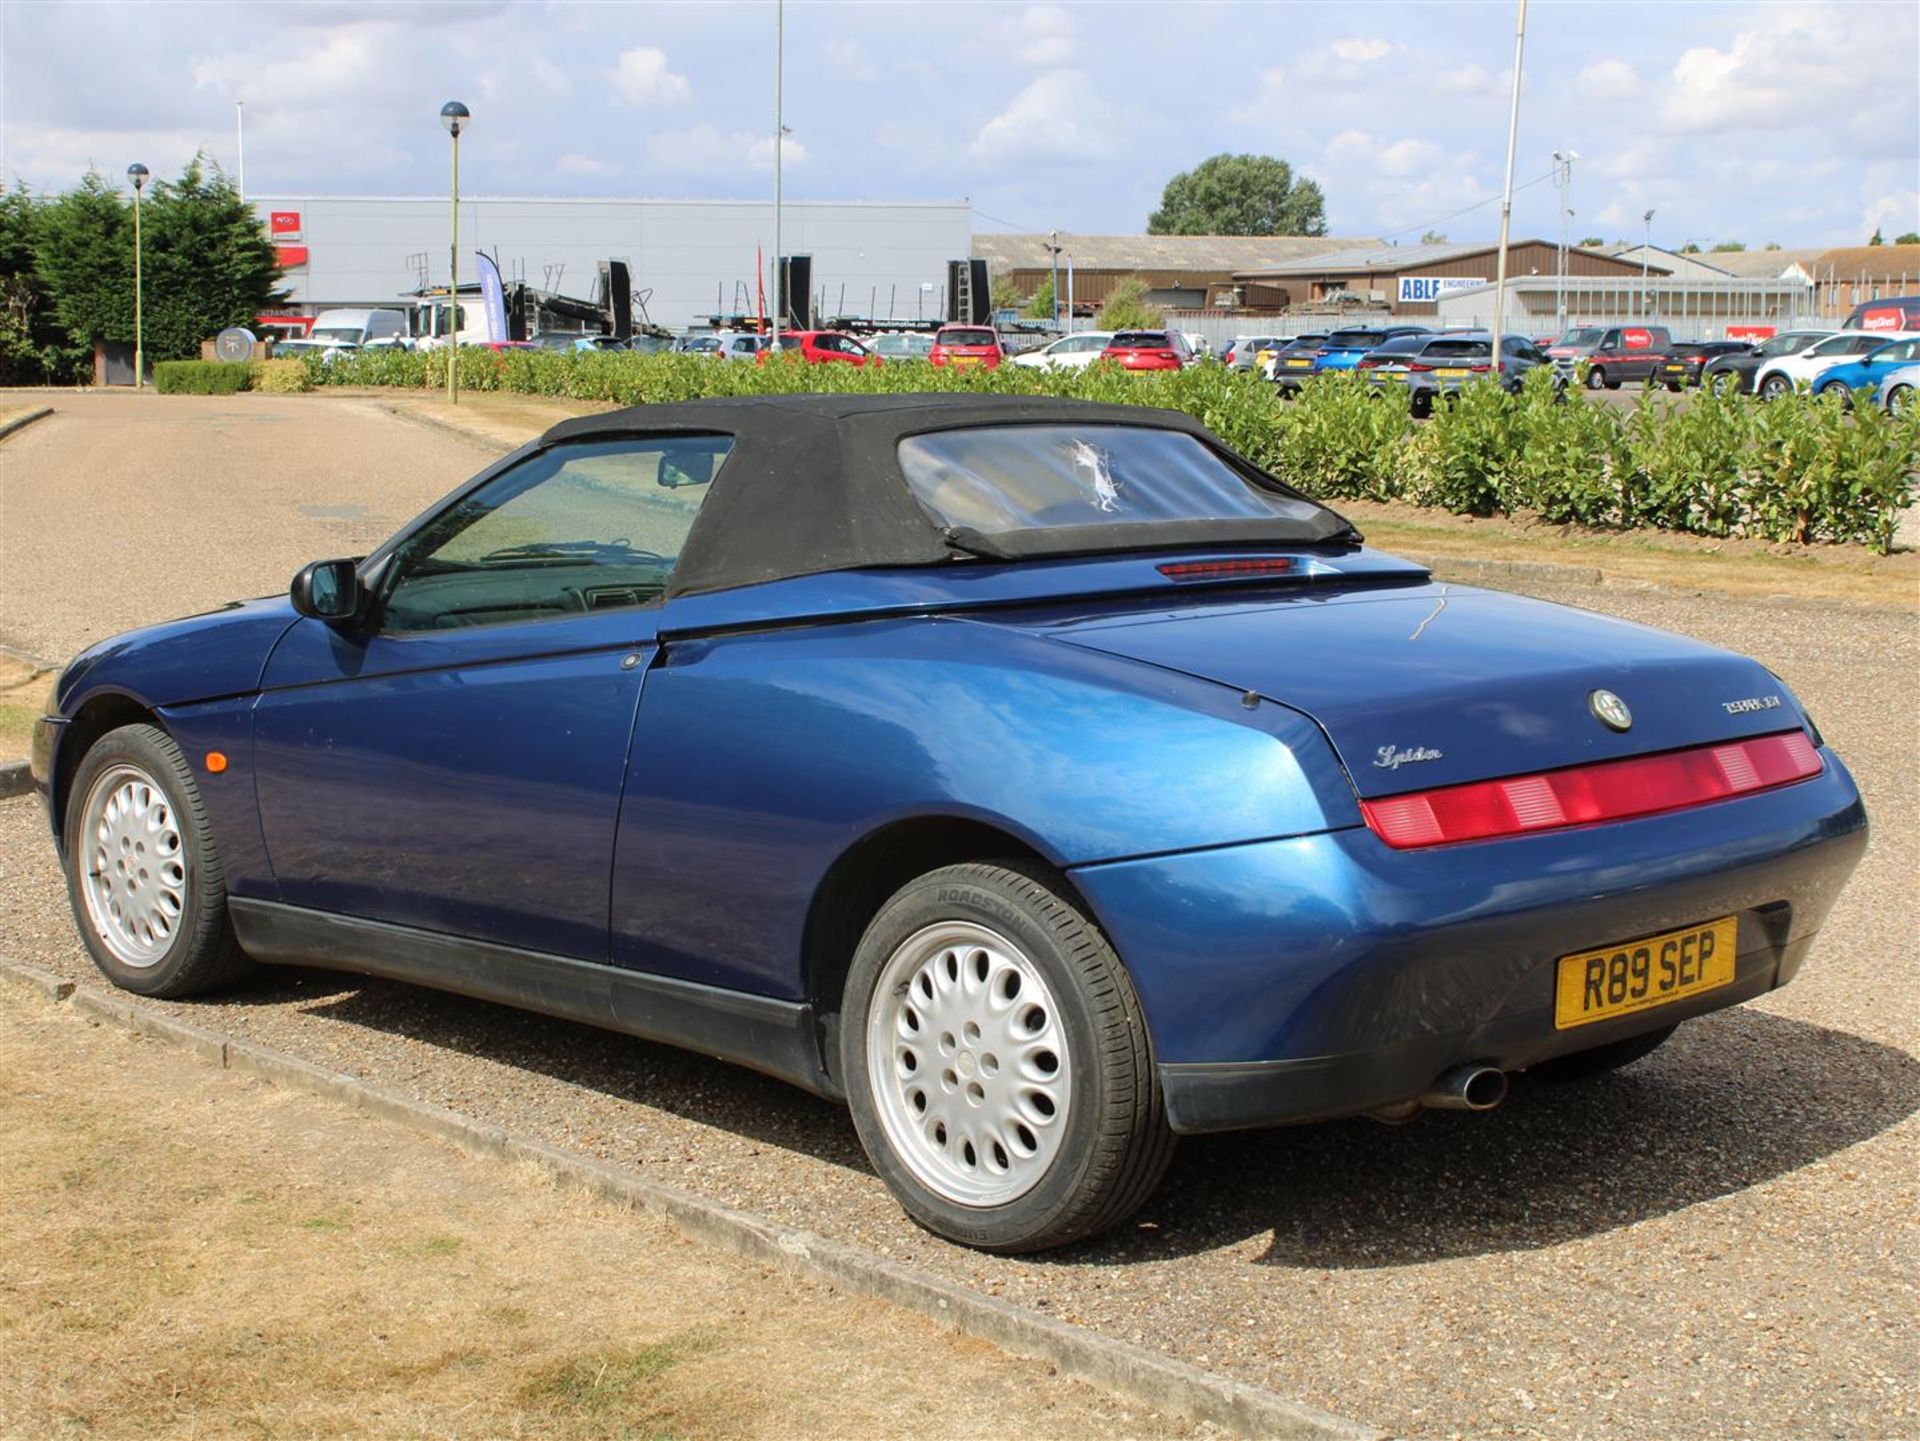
{"x": 1039, "y": 777}
{"x": 1343, "y": 349}
{"x": 1868, "y": 370}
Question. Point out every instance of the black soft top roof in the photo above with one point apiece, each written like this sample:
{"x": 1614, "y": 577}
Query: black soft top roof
{"x": 813, "y": 482}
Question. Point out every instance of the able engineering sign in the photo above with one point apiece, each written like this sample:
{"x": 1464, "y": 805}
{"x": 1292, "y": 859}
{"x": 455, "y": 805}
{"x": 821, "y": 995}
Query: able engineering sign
{"x": 1425, "y": 289}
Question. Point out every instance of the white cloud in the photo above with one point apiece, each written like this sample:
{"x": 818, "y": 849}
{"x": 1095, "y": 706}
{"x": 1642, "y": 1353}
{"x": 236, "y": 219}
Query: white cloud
{"x": 573, "y": 164}
{"x": 640, "y": 77}
{"x": 1607, "y": 80}
{"x": 1362, "y": 51}
{"x": 760, "y": 152}
{"x": 1060, "y": 116}
{"x": 1800, "y": 64}
{"x": 849, "y": 58}
{"x": 707, "y": 150}
{"x": 1038, "y": 35}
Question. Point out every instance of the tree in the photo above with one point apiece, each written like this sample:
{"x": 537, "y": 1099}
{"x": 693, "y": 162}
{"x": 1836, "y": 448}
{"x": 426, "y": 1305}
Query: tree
{"x": 1041, "y": 306}
{"x": 33, "y": 348}
{"x": 1878, "y": 239}
{"x": 1127, "y": 308}
{"x": 1240, "y": 195}
{"x": 1005, "y": 294}
{"x": 1729, "y": 247}
{"x": 207, "y": 260}
{"x": 1692, "y": 248}
{"x": 1771, "y": 245}
{"x": 83, "y": 256}
{"x": 1911, "y": 237}
{"x": 1434, "y": 237}
{"x": 1591, "y": 242}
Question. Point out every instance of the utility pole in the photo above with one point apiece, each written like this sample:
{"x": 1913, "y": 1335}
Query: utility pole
{"x": 1506, "y": 200}
{"x": 456, "y": 118}
{"x": 1646, "y": 249}
{"x": 1563, "y": 182}
{"x": 137, "y": 173}
{"x": 779, "y": 144}
{"x": 1053, "y": 249}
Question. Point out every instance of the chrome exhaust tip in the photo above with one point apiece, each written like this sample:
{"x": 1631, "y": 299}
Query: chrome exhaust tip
{"x": 1467, "y": 1088}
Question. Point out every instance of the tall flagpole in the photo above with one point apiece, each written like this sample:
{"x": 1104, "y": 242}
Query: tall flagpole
{"x": 780, "y": 298}
{"x": 1506, "y": 200}
{"x": 240, "y": 143}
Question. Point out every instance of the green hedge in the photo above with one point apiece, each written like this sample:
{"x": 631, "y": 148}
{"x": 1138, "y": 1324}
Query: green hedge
{"x": 1798, "y": 470}
{"x": 200, "y": 377}
{"x": 279, "y": 377}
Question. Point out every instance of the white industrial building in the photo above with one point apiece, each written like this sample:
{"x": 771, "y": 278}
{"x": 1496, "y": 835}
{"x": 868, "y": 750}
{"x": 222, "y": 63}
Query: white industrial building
{"x": 689, "y": 259}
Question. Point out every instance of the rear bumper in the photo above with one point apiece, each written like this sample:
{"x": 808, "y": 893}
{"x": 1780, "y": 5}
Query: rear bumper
{"x": 1327, "y": 975}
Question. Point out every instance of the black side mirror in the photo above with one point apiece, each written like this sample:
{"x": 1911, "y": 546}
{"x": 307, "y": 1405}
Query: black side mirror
{"x": 327, "y": 590}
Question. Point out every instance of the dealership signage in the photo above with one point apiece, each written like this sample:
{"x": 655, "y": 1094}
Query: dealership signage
{"x": 283, "y": 222}
{"x": 1415, "y": 289}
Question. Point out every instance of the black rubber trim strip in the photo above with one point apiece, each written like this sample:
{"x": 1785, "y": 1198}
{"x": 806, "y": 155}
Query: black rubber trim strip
{"x": 762, "y": 1033}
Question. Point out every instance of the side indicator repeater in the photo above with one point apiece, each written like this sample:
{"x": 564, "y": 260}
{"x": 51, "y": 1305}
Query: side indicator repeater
{"x": 216, "y": 762}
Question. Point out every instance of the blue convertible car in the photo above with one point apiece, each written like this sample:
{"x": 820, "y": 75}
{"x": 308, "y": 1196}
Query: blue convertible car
{"x": 1041, "y": 778}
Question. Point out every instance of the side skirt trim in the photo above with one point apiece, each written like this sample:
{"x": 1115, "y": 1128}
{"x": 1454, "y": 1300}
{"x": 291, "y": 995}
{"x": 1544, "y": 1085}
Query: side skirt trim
{"x": 764, "y": 1034}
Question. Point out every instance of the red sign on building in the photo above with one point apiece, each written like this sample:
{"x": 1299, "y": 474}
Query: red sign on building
{"x": 289, "y": 257}
{"x": 284, "y": 222}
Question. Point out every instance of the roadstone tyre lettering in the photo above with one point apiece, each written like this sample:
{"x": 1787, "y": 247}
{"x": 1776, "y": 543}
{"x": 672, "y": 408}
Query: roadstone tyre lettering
{"x": 997, "y": 1061}
{"x": 144, "y": 880}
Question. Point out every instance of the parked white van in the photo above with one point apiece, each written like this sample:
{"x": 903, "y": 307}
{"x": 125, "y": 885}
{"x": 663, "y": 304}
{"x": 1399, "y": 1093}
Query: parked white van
{"x": 349, "y": 330}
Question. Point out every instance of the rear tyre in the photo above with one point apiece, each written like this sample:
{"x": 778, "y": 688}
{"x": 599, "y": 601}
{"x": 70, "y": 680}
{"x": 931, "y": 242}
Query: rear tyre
{"x": 997, "y": 1062}
{"x": 1900, "y": 400}
{"x": 1597, "y": 378}
{"x": 1582, "y": 1065}
{"x": 144, "y": 880}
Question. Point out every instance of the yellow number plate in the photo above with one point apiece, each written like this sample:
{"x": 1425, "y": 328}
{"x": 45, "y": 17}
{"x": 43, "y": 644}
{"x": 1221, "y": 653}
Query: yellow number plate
{"x": 1445, "y": 371}
{"x": 1676, "y": 367}
{"x": 1619, "y": 980}
{"x": 1302, "y": 364}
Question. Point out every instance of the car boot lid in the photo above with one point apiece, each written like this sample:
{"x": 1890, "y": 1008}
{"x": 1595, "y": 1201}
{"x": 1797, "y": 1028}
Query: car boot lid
{"x": 1436, "y": 685}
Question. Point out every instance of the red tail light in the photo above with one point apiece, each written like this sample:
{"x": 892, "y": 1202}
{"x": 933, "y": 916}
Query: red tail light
{"x": 1584, "y": 795}
{"x": 1321, "y": 352}
{"x": 937, "y": 354}
{"x": 1479, "y": 369}
{"x": 1416, "y": 365}
{"x": 1219, "y": 569}
{"x": 1369, "y": 362}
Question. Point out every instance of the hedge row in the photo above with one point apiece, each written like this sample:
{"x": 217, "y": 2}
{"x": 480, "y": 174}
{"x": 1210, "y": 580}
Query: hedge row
{"x": 226, "y": 377}
{"x": 1723, "y": 466}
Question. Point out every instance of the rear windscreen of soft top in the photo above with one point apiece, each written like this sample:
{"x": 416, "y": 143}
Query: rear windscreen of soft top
{"x": 1000, "y": 479}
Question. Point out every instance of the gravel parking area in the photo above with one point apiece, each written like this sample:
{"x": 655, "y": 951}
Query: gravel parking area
{"x": 1721, "y": 1240}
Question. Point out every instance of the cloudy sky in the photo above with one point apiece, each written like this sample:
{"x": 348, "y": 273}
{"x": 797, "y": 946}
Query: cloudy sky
{"x": 1797, "y": 123}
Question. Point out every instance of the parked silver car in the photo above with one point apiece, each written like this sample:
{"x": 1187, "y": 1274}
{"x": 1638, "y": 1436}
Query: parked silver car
{"x": 1900, "y": 391}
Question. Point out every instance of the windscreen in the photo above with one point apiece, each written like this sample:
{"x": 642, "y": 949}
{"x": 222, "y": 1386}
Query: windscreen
{"x": 1580, "y": 337}
{"x": 1354, "y": 339}
{"x": 1039, "y": 477}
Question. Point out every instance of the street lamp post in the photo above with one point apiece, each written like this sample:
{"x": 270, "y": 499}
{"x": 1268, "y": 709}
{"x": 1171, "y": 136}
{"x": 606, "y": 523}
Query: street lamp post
{"x": 1563, "y": 182}
{"x": 1053, "y": 249}
{"x": 1646, "y": 249}
{"x": 137, "y": 173}
{"x": 456, "y": 117}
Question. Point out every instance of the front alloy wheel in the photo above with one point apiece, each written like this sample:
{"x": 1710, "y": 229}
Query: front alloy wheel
{"x": 144, "y": 879}
{"x": 997, "y": 1061}
{"x": 1596, "y": 378}
{"x": 1775, "y": 386}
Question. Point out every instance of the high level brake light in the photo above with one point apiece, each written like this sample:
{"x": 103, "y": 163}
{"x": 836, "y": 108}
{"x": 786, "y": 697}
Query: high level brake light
{"x": 1584, "y": 795}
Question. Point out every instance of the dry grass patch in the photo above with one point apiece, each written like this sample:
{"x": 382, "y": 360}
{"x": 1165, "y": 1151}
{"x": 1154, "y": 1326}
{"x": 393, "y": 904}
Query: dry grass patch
{"x": 194, "y": 1254}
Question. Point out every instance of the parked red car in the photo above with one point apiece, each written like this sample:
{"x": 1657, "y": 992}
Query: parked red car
{"x": 960, "y": 345}
{"x": 1149, "y": 350}
{"x": 823, "y": 347}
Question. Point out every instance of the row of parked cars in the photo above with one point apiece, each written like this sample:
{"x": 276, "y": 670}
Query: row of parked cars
{"x": 1428, "y": 363}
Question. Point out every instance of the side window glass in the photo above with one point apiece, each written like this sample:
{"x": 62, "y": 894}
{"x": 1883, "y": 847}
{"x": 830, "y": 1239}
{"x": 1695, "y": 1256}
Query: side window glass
{"x": 597, "y": 525}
